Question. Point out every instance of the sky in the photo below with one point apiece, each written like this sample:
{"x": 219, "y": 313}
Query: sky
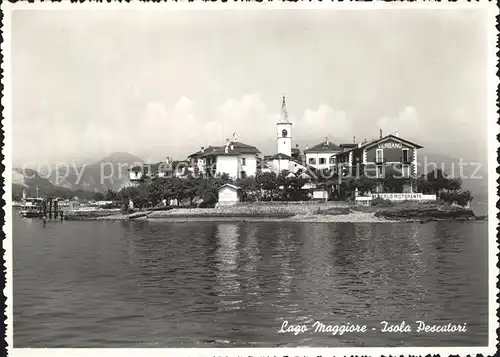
{"x": 87, "y": 83}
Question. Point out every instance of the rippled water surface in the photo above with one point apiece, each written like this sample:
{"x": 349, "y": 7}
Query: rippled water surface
{"x": 206, "y": 284}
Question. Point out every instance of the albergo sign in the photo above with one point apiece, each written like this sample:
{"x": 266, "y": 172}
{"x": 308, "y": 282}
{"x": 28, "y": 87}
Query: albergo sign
{"x": 390, "y": 145}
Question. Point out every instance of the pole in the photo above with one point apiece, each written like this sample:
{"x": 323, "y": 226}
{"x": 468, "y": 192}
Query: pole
{"x": 50, "y": 207}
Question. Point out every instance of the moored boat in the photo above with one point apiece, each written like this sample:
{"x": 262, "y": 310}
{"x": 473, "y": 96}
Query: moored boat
{"x": 32, "y": 207}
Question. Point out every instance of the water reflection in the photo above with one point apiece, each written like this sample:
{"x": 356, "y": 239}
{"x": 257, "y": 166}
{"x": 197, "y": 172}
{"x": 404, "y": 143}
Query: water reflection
{"x": 250, "y": 257}
{"x": 227, "y": 284}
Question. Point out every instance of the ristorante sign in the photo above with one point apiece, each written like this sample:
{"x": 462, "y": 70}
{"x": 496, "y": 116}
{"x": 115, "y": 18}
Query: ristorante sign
{"x": 403, "y": 196}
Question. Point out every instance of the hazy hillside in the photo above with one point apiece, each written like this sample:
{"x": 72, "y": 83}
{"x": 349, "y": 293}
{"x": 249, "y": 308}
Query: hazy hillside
{"x": 108, "y": 173}
{"x": 474, "y": 174}
{"x": 29, "y": 180}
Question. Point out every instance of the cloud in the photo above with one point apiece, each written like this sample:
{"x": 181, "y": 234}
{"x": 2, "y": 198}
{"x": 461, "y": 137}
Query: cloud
{"x": 177, "y": 130}
{"x": 406, "y": 123}
{"x": 324, "y": 122}
{"x": 247, "y": 116}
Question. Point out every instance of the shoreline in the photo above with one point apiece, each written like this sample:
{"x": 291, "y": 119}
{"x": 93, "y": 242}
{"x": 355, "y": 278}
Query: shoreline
{"x": 319, "y": 212}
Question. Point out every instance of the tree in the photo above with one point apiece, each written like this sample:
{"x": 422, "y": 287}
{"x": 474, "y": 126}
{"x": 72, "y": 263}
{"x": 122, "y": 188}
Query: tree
{"x": 437, "y": 181}
{"x": 111, "y": 195}
{"x": 267, "y": 182}
{"x": 189, "y": 188}
{"x": 139, "y": 196}
{"x": 249, "y": 188}
{"x": 393, "y": 181}
{"x": 459, "y": 197}
{"x": 365, "y": 184}
{"x": 208, "y": 188}
{"x": 98, "y": 196}
{"x": 156, "y": 190}
{"x": 348, "y": 186}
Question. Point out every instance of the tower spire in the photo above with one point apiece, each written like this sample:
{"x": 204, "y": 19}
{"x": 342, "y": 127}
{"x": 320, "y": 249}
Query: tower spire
{"x": 284, "y": 114}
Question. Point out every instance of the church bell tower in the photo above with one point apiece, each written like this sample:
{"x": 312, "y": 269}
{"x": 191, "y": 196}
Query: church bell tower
{"x": 284, "y": 132}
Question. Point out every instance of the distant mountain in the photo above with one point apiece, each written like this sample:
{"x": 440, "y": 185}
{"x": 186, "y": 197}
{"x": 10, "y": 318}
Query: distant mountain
{"x": 109, "y": 172}
{"x": 474, "y": 175}
{"x": 32, "y": 183}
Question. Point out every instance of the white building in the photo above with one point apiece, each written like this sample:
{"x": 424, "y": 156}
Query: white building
{"x": 281, "y": 162}
{"x": 320, "y": 155}
{"x": 228, "y": 195}
{"x": 236, "y": 159}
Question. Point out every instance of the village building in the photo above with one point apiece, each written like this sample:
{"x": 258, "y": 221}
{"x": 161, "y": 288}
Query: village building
{"x": 319, "y": 156}
{"x": 167, "y": 168}
{"x": 373, "y": 158}
{"x": 228, "y": 195}
{"x": 202, "y": 159}
{"x": 236, "y": 159}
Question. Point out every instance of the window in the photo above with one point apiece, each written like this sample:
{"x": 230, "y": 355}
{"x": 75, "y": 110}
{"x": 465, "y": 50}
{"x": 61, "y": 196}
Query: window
{"x": 243, "y": 161}
{"x": 322, "y": 161}
{"x": 380, "y": 171}
{"x": 406, "y": 171}
{"x": 379, "y": 155}
{"x": 406, "y": 155}
{"x": 243, "y": 174}
{"x": 312, "y": 161}
{"x": 332, "y": 160}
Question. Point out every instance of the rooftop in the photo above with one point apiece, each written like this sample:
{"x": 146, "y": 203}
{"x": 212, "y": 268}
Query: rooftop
{"x": 372, "y": 142}
{"x": 325, "y": 146}
{"x": 159, "y": 166}
{"x": 284, "y": 113}
{"x": 204, "y": 151}
{"x": 233, "y": 148}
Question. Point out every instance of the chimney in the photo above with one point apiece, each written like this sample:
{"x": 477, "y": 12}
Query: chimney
{"x": 380, "y": 133}
{"x": 397, "y": 133}
{"x": 232, "y": 147}
{"x": 307, "y": 147}
{"x": 202, "y": 149}
{"x": 327, "y": 142}
{"x": 225, "y": 150}
{"x": 297, "y": 146}
{"x": 354, "y": 139}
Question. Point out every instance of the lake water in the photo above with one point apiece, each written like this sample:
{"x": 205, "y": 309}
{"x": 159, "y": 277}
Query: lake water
{"x": 209, "y": 284}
